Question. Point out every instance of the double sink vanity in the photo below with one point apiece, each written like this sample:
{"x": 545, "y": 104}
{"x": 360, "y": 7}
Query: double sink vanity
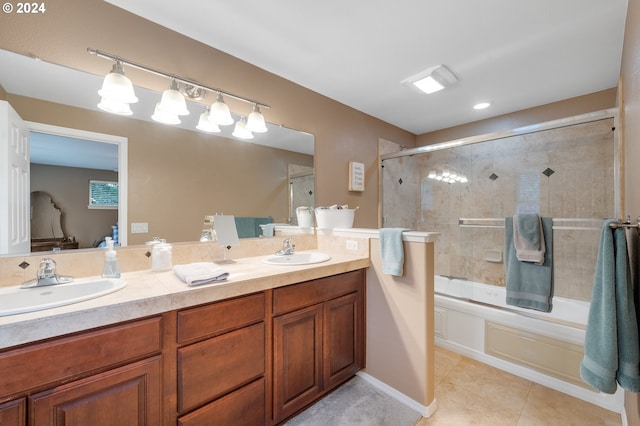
{"x": 278, "y": 334}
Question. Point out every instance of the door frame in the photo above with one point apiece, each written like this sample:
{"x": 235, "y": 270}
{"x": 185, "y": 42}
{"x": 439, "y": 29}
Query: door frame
{"x": 123, "y": 162}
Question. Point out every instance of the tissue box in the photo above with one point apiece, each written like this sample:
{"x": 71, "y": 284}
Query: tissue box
{"x": 335, "y": 218}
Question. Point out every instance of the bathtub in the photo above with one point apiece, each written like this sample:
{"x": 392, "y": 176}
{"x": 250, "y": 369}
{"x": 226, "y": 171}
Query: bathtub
{"x": 567, "y": 311}
{"x": 469, "y": 315}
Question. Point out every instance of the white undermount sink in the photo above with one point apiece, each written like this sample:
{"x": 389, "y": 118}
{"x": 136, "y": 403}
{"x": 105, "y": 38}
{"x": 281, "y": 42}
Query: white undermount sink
{"x": 17, "y": 300}
{"x": 304, "y": 258}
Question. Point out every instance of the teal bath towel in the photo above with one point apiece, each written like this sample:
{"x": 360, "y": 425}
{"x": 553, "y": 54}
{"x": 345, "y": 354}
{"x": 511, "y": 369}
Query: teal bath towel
{"x": 249, "y": 227}
{"x": 529, "y": 285}
{"x": 611, "y": 346}
{"x": 392, "y": 251}
{"x": 528, "y": 238}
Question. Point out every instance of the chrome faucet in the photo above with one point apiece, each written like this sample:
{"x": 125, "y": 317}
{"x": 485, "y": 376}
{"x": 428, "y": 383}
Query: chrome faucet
{"x": 47, "y": 275}
{"x": 287, "y": 247}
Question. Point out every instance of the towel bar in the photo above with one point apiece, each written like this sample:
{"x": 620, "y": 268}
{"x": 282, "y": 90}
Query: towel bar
{"x": 499, "y": 223}
{"x": 624, "y": 225}
{"x": 466, "y": 222}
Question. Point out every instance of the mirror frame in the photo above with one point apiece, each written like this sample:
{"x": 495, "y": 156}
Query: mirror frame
{"x": 123, "y": 162}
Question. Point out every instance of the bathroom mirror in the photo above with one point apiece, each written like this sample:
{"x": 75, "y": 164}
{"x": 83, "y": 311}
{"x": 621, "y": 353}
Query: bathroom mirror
{"x": 175, "y": 174}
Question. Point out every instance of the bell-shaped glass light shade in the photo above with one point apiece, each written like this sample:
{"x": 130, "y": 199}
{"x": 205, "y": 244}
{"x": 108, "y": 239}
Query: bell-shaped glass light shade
{"x": 241, "y": 131}
{"x": 173, "y": 101}
{"x": 205, "y": 124}
{"x": 255, "y": 121}
{"x": 165, "y": 117}
{"x": 117, "y": 87}
{"x": 115, "y": 107}
{"x": 220, "y": 113}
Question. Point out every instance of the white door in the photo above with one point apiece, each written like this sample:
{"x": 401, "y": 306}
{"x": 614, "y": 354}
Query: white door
{"x": 15, "y": 217}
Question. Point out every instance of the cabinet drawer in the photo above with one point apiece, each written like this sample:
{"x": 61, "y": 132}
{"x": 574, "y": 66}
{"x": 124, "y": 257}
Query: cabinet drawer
{"x": 220, "y": 317}
{"x": 289, "y": 298}
{"x": 244, "y": 407}
{"x": 64, "y": 358}
{"x": 214, "y": 367}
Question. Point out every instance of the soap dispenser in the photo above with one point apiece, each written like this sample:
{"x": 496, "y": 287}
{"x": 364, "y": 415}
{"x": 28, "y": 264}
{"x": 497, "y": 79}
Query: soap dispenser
{"x": 111, "y": 268}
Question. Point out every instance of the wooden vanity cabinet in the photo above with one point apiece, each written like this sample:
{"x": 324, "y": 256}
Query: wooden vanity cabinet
{"x": 318, "y": 339}
{"x": 221, "y": 364}
{"x": 89, "y": 378}
{"x": 250, "y": 360}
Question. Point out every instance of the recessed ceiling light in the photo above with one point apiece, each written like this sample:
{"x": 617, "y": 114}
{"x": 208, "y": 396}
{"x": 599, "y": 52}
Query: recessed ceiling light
{"x": 482, "y": 105}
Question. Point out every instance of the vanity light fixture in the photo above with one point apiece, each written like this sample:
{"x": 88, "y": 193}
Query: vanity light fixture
{"x": 173, "y": 101}
{"x": 432, "y": 80}
{"x": 255, "y": 121}
{"x": 220, "y": 113}
{"x": 447, "y": 175}
{"x": 163, "y": 116}
{"x": 240, "y": 130}
{"x": 115, "y": 107}
{"x": 117, "y": 93}
{"x": 117, "y": 87}
{"x": 205, "y": 124}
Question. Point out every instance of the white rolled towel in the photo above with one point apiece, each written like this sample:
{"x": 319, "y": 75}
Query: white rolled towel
{"x": 199, "y": 273}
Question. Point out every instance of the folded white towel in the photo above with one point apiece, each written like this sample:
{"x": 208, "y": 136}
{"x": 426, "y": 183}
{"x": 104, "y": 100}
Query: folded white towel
{"x": 199, "y": 273}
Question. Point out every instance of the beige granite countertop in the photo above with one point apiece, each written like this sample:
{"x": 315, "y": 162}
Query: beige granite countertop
{"x": 149, "y": 293}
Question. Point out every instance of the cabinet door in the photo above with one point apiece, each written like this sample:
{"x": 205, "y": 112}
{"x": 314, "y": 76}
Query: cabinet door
{"x": 342, "y": 339}
{"x": 126, "y": 396}
{"x": 297, "y": 360}
{"x": 13, "y": 413}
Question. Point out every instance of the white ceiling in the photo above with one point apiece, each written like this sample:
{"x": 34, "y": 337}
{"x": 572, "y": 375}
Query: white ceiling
{"x": 516, "y": 54}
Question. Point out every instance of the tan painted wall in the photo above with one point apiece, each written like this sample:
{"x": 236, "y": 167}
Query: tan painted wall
{"x": 342, "y": 134}
{"x": 69, "y": 189}
{"x": 177, "y": 176}
{"x": 400, "y": 348}
{"x": 567, "y": 108}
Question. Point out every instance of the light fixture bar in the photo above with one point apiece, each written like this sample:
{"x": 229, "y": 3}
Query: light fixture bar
{"x": 139, "y": 66}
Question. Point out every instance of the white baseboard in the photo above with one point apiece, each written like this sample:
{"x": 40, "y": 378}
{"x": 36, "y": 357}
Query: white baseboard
{"x": 425, "y": 411}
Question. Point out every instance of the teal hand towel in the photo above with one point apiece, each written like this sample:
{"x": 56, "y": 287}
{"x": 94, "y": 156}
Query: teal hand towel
{"x": 611, "y": 347}
{"x": 529, "y": 285}
{"x": 392, "y": 251}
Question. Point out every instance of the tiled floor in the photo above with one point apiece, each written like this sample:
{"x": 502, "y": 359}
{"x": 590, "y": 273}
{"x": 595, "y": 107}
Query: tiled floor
{"x": 469, "y": 392}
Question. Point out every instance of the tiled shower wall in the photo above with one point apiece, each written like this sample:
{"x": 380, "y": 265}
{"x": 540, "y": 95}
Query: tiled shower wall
{"x": 565, "y": 173}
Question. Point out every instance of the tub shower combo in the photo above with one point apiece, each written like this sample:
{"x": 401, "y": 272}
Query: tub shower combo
{"x": 567, "y": 170}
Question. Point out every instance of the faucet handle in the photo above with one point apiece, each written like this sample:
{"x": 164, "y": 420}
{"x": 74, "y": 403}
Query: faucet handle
{"x": 47, "y": 268}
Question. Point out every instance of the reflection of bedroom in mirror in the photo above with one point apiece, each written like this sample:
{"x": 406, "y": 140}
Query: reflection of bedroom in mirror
{"x": 46, "y": 225}
{"x": 64, "y": 167}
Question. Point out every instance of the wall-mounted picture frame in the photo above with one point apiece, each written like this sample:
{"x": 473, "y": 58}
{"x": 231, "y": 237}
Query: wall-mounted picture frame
{"x": 103, "y": 194}
{"x": 356, "y": 176}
